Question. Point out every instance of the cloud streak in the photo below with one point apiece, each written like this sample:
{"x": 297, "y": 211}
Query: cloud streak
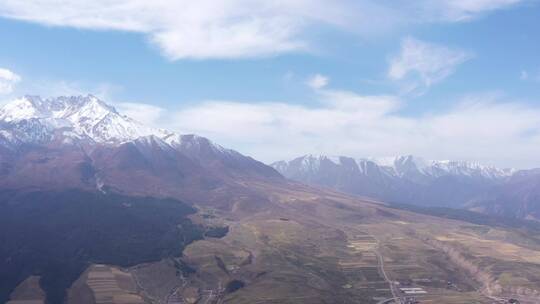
{"x": 242, "y": 28}
{"x": 463, "y": 10}
{"x": 191, "y": 29}
{"x": 421, "y": 64}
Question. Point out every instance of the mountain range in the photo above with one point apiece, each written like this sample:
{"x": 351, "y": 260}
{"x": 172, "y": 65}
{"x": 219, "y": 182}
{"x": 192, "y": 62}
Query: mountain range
{"x": 96, "y": 207}
{"x": 99, "y": 148}
{"x": 416, "y": 181}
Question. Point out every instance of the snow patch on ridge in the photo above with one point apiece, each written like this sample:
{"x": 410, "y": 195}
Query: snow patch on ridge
{"x": 78, "y": 117}
{"x": 399, "y": 166}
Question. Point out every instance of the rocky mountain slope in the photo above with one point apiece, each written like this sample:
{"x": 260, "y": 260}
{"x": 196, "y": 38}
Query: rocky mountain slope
{"x": 518, "y": 196}
{"x": 81, "y": 142}
{"x": 412, "y": 180}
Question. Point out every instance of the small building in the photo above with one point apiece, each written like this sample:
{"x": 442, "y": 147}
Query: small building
{"x": 413, "y": 290}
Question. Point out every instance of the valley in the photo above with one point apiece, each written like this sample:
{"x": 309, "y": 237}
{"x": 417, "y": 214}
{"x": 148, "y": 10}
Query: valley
{"x": 308, "y": 245}
{"x": 332, "y": 249}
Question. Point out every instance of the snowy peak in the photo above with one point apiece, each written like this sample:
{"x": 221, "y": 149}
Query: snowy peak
{"x": 403, "y": 167}
{"x": 88, "y": 124}
{"x": 34, "y": 107}
{"x": 406, "y": 165}
{"x": 24, "y": 108}
{"x": 307, "y": 163}
{"x": 403, "y": 179}
{"x": 89, "y": 120}
{"x": 78, "y": 117}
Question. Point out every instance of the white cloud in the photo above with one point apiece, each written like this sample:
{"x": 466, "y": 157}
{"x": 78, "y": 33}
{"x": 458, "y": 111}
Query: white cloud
{"x": 461, "y": 10}
{"x": 421, "y": 64}
{"x": 317, "y": 81}
{"x": 145, "y": 113}
{"x": 191, "y": 29}
{"x": 486, "y": 128}
{"x": 241, "y": 28}
{"x": 8, "y": 79}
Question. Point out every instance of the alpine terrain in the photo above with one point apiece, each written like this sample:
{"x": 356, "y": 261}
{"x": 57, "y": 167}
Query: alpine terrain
{"x": 96, "y": 207}
{"x": 413, "y": 180}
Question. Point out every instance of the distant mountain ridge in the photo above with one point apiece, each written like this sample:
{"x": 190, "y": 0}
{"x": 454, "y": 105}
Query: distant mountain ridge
{"x": 413, "y": 180}
{"x": 399, "y": 166}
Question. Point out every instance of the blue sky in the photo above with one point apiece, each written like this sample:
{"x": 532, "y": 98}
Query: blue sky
{"x": 442, "y": 79}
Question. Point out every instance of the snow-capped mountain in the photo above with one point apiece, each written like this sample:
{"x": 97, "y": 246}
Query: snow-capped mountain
{"x": 35, "y": 120}
{"x": 403, "y": 165}
{"x": 400, "y": 166}
{"x": 402, "y": 179}
{"x": 82, "y": 142}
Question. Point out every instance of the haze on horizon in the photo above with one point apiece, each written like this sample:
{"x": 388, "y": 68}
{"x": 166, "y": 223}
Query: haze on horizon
{"x": 455, "y": 80}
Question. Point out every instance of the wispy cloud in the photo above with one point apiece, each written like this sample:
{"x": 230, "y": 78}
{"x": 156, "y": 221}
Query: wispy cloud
{"x": 421, "y": 64}
{"x": 533, "y": 76}
{"x": 191, "y": 29}
{"x": 8, "y": 80}
{"x": 462, "y": 10}
{"x": 317, "y": 81}
{"x": 145, "y": 113}
{"x": 242, "y": 28}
